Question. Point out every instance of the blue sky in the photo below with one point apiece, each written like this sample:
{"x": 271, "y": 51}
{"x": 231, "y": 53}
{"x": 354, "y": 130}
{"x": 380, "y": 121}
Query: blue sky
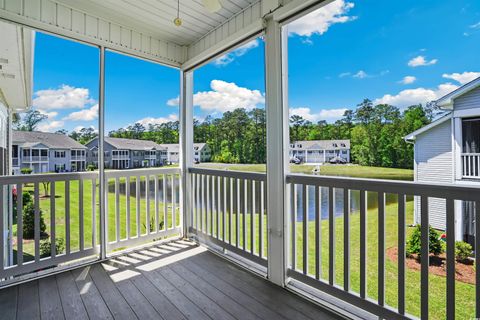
{"x": 397, "y": 52}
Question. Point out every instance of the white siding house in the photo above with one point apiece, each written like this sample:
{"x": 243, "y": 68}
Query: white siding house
{"x": 320, "y": 151}
{"x": 447, "y": 151}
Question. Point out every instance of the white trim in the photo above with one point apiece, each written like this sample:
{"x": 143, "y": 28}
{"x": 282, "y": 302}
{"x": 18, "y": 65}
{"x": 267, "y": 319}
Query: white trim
{"x": 471, "y": 112}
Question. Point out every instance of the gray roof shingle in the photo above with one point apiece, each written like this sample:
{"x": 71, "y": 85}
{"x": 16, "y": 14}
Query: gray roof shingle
{"x": 132, "y": 144}
{"x": 51, "y": 140}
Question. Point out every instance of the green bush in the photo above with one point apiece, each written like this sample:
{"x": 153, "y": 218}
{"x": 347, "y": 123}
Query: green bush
{"x": 91, "y": 167}
{"x": 463, "y": 250}
{"x": 26, "y": 170}
{"x": 46, "y": 247}
{"x": 29, "y": 221}
{"x": 414, "y": 242}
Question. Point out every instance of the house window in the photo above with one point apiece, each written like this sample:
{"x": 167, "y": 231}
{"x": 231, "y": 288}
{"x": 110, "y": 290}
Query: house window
{"x": 59, "y": 167}
{"x": 471, "y": 135}
{"x": 60, "y": 154}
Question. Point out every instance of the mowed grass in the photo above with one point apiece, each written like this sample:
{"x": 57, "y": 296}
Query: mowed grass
{"x": 465, "y": 293}
{"x": 91, "y": 212}
{"x": 349, "y": 170}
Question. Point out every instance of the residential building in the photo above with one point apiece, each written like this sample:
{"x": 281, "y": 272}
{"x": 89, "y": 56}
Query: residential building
{"x": 120, "y": 153}
{"x": 448, "y": 151}
{"x": 46, "y": 152}
{"x": 320, "y": 151}
{"x": 201, "y": 152}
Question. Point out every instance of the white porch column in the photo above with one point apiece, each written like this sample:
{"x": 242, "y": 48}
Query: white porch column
{"x": 277, "y": 148}
{"x": 101, "y": 163}
{"x": 186, "y": 146}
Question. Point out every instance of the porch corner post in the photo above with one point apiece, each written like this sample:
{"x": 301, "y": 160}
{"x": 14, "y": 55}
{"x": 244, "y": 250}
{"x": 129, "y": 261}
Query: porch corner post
{"x": 277, "y": 148}
{"x": 186, "y": 147}
{"x": 101, "y": 163}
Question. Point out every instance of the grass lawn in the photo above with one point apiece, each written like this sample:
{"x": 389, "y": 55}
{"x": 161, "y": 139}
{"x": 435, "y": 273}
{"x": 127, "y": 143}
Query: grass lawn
{"x": 328, "y": 170}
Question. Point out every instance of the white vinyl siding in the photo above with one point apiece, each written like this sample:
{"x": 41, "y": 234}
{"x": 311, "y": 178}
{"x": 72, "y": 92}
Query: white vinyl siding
{"x": 468, "y": 100}
{"x": 433, "y": 158}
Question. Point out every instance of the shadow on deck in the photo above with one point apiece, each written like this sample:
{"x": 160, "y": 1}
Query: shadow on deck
{"x": 177, "y": 280}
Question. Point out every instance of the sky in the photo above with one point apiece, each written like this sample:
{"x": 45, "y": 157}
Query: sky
{"x": 397, "y": 52}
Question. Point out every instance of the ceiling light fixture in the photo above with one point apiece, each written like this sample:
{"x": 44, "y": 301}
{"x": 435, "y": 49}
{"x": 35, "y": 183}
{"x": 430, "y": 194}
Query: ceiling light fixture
{"x": 177, "y": 21}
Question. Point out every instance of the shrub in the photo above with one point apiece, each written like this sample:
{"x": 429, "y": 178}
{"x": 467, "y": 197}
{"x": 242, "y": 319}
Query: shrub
{"x": 91, "y": 167}
{"x": 46, "y": 247}
{"x": 26, "y": 170}
{"x": 414, "y": 242}
{"x": 463, "y": 250}
{"x": 29, "y": 221}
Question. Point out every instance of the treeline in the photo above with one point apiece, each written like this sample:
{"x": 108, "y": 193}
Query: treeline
{"x": 376, "y": 133}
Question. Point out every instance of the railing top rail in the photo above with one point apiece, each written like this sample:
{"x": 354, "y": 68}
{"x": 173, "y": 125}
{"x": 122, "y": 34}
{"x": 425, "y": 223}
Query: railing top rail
{"x": 140, "y": 172}
{"x": 455, "y": 191}
{"x": 230, "y": 174}
{"x": 470, "y": 154}
{"x": 30, "y": 178}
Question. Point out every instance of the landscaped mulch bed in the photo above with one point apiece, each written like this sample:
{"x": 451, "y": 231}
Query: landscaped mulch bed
{"x": 464, "y": 272}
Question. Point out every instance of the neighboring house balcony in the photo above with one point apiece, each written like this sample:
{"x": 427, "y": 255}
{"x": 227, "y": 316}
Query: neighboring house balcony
{"x": 470, "y": 165}
{"x": 78, "y": 158}
{"x": 31, "y": 159}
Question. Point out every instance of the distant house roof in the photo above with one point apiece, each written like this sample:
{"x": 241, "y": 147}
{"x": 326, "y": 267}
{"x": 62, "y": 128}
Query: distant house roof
{"x": 132, "y": 144}
{"x": 413, "y": 135}
{"x": 175, "y": 147}
{"x": 50, "y": 140}
{"x": 322, "y": 144}
{"x": 446, "y": 102}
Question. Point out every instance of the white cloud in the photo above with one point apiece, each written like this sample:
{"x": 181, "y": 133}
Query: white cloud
{"x": 410, "y": 97}
{"x": 64, "y": 97}
{"x": 150, "y": 120}
{"x": 462, "y": 78}
{"x": 408, "y": 80}
{"x": 240, "y": 51}
{"x": 420, "y": 61}
{"x": 475, "y": 26}
{"x": 324, "y": 114}
{"x": 50, "y": 126}
{"x": 344, "y": 74}
{"x": 84, "y": 115}
{"x": 225, "y": 96}
{"x": 319, "y": 21}
{"x": 360, "y": 75}
{"x": 50, "y": 115}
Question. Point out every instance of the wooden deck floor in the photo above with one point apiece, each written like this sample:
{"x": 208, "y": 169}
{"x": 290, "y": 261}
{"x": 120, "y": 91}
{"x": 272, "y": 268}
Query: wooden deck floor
{"x": 173, "y": 281}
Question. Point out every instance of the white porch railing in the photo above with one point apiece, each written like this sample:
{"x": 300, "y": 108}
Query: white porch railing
{"x": 327, "y": 201}
{"x": 141, "y": 206}
{"x": 470, "y": 165}
{"x": 229, "y": 211}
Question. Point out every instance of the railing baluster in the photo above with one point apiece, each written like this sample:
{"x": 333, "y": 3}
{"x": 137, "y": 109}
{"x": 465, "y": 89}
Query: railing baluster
{"x": 127, "y": 204}
{"x": 293, "y": 222}
{"x": 203, "y": 213}
{"x": 450, "y": 258}
{"x": 224, "y": 209}
{"x": 36, "y": 222}
{"x": 67, "y": 217}
{"x": 94, "y": 213}
{"x": 211, "y": 199}
{"x": 363, "y": 244}
{"x": 245, "y": 213}
{"x": 157, "y": 211}
{"x": 219, "y": 197}
{"x": 165, "y": 203}
{"x": 174, "y": 200}
{"x": 305, "y": 227}
{"x": 19, "y": 224}
{"x": 2, "y": 227}
{"x": 252, "y": 217}
{"x": 260, "y": 215}
{"x": 477, "y": 259}
{"x": 147, "y": 203}
{"x": 137, "y": 204}
{"x": 117, "y": 209}
{"x": 198, "y": 206}
{"x": 346, "y": 239}
{"x": 53, "y": 247}
{"x": 80, "y": 215}
{"x": 331, "y": 235}
{"x": 318, "y": 233}
{"x": 401, "y": 253}
{"x": 237, "y": 188}
{"x": 425, "y": 258}
{"x": 381, "y": 248}
{"x": 230, "y": 215}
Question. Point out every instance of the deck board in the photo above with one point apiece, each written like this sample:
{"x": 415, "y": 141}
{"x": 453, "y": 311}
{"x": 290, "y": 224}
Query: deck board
{"x": 173, "y": 281}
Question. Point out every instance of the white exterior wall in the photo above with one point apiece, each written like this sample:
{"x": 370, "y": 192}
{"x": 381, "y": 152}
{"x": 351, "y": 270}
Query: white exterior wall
{"x": 470, "y": 100}
{"x": 434, "y": 163}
